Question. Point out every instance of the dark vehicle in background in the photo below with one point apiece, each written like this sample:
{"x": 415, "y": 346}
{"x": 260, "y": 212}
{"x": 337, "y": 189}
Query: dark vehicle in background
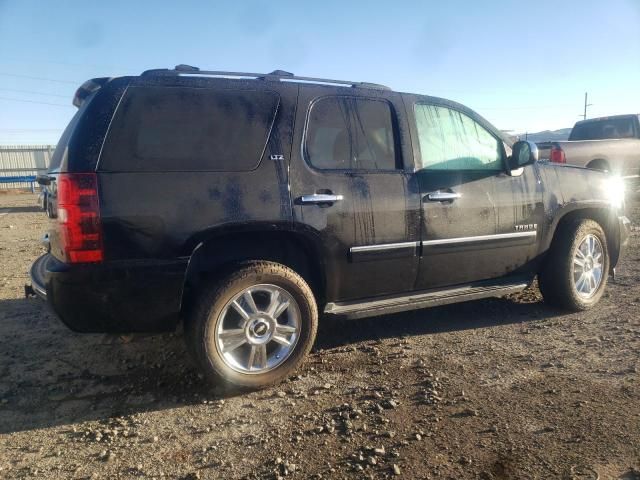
{"x": 248, "y": 205}
{"x": 610, "y": 144}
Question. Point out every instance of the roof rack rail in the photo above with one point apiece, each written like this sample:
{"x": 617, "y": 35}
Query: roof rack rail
{"x": 276, "y": 75}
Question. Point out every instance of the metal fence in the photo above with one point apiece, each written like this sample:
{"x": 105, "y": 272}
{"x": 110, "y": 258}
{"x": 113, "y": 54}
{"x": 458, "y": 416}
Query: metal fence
{"x": 19, "y": 164}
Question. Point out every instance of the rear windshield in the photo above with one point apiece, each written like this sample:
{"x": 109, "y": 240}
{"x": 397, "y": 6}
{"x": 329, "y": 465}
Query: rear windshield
{"x": 604, "y": 129}
{"x": 189, "y": 129}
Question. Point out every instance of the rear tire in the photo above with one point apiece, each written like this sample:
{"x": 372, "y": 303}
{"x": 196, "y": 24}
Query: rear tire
{"x": 575, "y": 271}
{"x": 253, "y": 327}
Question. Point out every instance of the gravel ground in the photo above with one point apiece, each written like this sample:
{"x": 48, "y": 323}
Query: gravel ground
{"x": 493, "y": 389}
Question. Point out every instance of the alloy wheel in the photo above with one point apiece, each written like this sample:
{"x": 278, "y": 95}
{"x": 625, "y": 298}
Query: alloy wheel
{"x": 257, "y": 330}
{"x": 588, "y": 266}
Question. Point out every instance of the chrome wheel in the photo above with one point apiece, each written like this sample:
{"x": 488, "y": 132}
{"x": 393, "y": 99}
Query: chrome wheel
{"x": 588, "y": 266}
{"x": 258, "y": 329}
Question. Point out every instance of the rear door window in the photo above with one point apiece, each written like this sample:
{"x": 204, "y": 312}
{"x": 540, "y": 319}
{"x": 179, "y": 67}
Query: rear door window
{"x": 351, "y": 133}
{"x": 189, "y": 129}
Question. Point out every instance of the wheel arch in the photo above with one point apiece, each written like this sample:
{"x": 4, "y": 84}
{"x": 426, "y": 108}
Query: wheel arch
{"x": 599, "y": 161}
{"x": 220, "y": 250}
{"x": 602, "y": 214}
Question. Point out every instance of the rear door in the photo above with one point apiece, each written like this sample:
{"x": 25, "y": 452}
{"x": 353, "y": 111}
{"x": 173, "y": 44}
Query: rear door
{"x": 458, "y": 162}
{"x": 351, "y": 190}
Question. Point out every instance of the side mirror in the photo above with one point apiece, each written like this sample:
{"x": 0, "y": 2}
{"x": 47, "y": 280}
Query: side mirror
{"x": 523, "y": 153}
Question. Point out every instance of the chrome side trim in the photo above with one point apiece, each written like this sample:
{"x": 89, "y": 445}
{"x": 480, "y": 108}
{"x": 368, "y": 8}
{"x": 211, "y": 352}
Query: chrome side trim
{"x": 479, "y": 238}
{"x": 444, "y": 241}
{"x": 383, "y": 246}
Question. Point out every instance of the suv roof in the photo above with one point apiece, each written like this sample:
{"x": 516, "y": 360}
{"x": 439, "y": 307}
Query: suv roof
{"x": 276, "y": 75}
{"x": 188, "y": 71}
{"x": 187, "y": 75}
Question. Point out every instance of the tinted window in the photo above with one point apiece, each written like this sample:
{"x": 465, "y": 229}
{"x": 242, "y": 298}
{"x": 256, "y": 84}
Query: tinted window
{"x": 450, "y": 140}
{"x": 603, "y": 129}
{"x": 171, "y": 129}
{"x": 351, "y": 133}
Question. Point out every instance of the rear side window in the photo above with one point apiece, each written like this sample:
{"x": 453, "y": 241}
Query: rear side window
{"x": 349, "y": 133}
{"x": 603, "y": 129}
{"x": 450, "y": 140}
{"x": 189, "y": 129}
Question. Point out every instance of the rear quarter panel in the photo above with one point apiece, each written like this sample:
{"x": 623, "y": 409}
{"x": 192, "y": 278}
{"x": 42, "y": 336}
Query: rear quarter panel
{"x": 79, "y": 148}
{"x": 165, "y": 215}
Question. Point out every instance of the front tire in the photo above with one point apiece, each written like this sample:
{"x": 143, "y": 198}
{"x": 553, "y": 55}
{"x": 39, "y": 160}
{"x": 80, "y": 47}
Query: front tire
{"x": 575, "y": 273}
{"x": 253, "y": 327}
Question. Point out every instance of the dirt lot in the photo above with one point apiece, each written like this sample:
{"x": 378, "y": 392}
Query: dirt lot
{"x": 494, "y": 389}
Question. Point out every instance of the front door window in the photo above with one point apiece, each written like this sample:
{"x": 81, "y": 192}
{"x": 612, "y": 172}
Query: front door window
{"x": 450, "y": 140}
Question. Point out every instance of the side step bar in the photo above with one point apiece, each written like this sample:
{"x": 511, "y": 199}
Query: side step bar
{"x": 416, "y": 300}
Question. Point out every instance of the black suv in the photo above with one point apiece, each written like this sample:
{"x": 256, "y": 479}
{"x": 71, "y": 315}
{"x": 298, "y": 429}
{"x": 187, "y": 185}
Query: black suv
{"x": 250, "y": 204}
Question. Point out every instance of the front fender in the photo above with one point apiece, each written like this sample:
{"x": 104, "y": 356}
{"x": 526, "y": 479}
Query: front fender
{"x": 575, "y": 192}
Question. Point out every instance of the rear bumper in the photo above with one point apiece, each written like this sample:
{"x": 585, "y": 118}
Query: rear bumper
{"x": 37, "y": 275}
{"x": 116, "y": 297}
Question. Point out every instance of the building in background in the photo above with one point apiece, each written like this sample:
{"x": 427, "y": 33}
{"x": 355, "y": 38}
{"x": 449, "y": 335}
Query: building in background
{"x": 19, "y": 164}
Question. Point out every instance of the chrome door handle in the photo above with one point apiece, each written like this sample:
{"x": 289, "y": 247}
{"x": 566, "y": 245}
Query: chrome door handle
{"x": 319, "y": 198}
{"x": 443, "y": 196}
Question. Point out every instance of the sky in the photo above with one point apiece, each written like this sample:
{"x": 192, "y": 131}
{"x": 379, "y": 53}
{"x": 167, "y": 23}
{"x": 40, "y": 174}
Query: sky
{"x": 524, "y": 66}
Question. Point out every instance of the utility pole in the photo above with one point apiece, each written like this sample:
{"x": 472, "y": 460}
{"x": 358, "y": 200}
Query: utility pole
{"x": 584, "y": 117}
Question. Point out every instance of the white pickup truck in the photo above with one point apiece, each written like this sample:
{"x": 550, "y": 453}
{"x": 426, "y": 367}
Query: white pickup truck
{"x": 610, "y": 144}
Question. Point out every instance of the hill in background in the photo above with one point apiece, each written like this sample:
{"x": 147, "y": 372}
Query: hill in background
{"x": 547, "y": 135}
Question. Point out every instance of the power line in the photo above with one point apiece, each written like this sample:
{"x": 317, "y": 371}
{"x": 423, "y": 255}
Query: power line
{"x": 529, "y": 107}
{"x": 40, "y": 78}
{"x": 21, "y": 130}
{"x": 34, "y": 93}
{"x": 72, "y": 64}
{"x": 35, "y": 101}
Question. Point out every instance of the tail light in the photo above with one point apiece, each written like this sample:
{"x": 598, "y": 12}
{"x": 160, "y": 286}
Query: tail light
{"x": 79, "y": 217}
{"x": 556, "y": 155}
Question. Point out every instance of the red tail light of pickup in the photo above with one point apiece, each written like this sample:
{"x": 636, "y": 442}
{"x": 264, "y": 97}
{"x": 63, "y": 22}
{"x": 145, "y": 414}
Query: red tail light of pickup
{"x": 556, "y": 155}
{"x": 79, "y": 217}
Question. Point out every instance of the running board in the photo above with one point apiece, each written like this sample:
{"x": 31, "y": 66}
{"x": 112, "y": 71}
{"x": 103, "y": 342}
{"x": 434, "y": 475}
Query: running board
{"x": 402, "y": 303}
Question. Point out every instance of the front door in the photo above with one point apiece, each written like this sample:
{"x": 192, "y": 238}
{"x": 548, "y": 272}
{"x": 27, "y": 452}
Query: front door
{"x": 458, "y": 161}
{"x": 351, "y": 190}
